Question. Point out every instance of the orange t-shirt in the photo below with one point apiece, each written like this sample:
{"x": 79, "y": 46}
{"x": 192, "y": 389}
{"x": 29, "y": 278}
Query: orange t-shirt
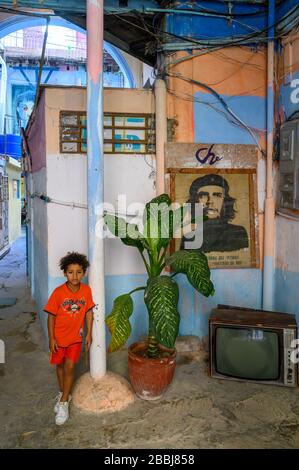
{"x": 69, "y": 308}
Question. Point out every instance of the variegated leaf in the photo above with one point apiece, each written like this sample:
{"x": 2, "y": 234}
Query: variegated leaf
{"x": 118, "y": 321}
{"x": 158, "y": 221}
{"x": 161, "y": 298}
{"x": 128, "y": 233}
{"x": 194, "y": 264}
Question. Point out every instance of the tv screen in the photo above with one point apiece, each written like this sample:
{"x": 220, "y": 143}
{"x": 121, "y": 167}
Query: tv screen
{"x": 247, "y": 353}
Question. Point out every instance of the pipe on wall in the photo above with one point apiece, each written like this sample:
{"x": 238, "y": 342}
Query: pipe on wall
{"x": 3, "y": 86}
{"x": 268, "y": 273}
{"x": 161, "y": 133}
{"x": 95, "y": 182}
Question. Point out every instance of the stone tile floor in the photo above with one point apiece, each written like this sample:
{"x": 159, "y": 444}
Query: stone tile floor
{"x": 196, "y": 412}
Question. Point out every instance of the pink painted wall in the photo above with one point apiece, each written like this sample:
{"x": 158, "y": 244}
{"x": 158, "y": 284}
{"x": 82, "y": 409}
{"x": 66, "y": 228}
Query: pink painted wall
{"x": 37, "y": 136}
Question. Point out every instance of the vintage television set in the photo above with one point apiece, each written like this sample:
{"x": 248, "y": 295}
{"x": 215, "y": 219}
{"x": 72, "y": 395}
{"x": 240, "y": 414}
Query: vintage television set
{"x": 253, "y": 345}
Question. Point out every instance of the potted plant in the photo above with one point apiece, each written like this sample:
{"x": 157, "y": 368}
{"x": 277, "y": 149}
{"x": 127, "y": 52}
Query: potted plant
{"x": 152, "y": 362}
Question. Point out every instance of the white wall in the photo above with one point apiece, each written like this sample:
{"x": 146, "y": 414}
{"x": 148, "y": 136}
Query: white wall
{"x": 129, "y": 176}
{"x": 67, "y": 226}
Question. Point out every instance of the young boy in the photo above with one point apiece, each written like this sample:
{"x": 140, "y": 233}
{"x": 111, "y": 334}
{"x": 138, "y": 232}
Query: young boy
{"x": 67, "y": 307}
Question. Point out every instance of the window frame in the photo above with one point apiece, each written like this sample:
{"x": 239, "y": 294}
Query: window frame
{"x": 148, "y": 142}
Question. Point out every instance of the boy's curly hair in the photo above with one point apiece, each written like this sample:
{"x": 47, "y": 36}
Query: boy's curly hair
{"x": 74, "y": 258}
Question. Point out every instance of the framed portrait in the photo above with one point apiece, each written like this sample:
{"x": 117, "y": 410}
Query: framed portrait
{"x": 228, "y": 200}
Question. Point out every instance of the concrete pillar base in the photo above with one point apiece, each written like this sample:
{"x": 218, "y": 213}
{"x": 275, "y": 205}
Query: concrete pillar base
{"x": 109, "y": 393}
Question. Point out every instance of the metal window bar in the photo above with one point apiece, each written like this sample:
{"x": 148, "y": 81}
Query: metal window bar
{"x": 71, "y": 140}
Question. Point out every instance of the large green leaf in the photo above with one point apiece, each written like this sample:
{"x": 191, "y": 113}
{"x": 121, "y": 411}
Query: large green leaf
{"x": 158, "y": 221}
{"x": 118, "y": 321}
{"x": 128, "y": 233}
{"x": 161, "y": 298}
{"x": 194, "y": 264}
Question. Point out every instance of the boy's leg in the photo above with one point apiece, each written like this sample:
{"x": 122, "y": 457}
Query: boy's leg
{"x": 60, "y": 375}
{"x": 68, "y": 378}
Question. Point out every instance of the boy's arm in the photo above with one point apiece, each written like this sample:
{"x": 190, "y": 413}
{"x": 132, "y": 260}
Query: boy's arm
{"x": 89, "y": 321}
{"x": 52, "y": 341}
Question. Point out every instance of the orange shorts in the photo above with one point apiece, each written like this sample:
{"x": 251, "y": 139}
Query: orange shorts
{"x": 71, "y": 352}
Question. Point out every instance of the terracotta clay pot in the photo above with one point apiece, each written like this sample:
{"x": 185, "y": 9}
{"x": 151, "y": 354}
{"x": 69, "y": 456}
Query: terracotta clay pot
{"x": 150, "y": 377}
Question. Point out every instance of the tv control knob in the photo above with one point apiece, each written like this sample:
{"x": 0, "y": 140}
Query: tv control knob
{"x": 290, "y": 371}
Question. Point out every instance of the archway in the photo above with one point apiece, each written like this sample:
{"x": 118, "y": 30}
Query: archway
{"x": 16, "y": 23}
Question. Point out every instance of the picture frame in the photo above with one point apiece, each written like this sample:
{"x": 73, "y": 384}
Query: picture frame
{"x": 230, "y": 233}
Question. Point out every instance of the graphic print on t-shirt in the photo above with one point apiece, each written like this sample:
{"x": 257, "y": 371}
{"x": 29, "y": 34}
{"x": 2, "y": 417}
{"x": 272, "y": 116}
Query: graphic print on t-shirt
{"x": 73, "y": 306}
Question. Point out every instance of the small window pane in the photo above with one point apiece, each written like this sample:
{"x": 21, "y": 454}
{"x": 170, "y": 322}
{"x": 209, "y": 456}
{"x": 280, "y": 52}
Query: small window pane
{"x": 84, "y": 134}
{"x": 83, "y": 120}
{"x": 129, "y": 148}
{"x": 70, "y": 133}
{"x": 119, "y": 120}
{"x": 132, "y": 121}
{"x": 69, "y": 147}
{"x": 107, "y": 133}
{"x": 134, "y": 134}
{"x": 151, "y": 148}
{"x": 107, "y": 120}
{"x": 84, "y": 147}
{"x": 69, "y": 119}
{"x": 108, "y": 147}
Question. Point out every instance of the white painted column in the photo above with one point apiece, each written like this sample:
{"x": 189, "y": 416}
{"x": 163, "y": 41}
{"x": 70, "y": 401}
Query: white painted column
{"x": 95, "y": 182}
{"x": 161, "y": 133}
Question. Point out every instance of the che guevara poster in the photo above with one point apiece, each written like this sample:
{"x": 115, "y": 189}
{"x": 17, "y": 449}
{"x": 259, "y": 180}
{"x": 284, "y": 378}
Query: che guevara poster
{"x": 227, "y": 196}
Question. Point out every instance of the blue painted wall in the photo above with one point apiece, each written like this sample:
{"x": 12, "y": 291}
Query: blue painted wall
{"x": 286, "y": 292}
{"x": 244, "y": 291}
{"x": 288, "y": 100}
{"x": 206, "y": 27}
{"x": 212, "y": 123}
{"x": 213, "y": 27}
{"x": 41, "y": 273}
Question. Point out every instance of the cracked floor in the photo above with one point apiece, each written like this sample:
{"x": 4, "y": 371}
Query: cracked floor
{"x": 196, "y": 412}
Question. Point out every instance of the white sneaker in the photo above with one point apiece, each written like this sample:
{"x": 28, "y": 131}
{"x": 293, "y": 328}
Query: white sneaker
{"x": 63, "y": 413}
{"x": 58, "y": 398}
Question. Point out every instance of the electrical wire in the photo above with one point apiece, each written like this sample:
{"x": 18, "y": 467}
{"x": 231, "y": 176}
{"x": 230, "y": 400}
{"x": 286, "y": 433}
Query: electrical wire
{"x": 233, "y": 60}
{"x": 209, "y": 10}
{"x": 225, "y": 105}
{"x": 244, "y": 64}
{"x": 42, "y": 59}
{"x": 245, "y": 93}
{"x": 201, "y": 13}
{"x": 187, "y": 97}
{"x": 224, "y": 41}
{"x": 217, "y": 53}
